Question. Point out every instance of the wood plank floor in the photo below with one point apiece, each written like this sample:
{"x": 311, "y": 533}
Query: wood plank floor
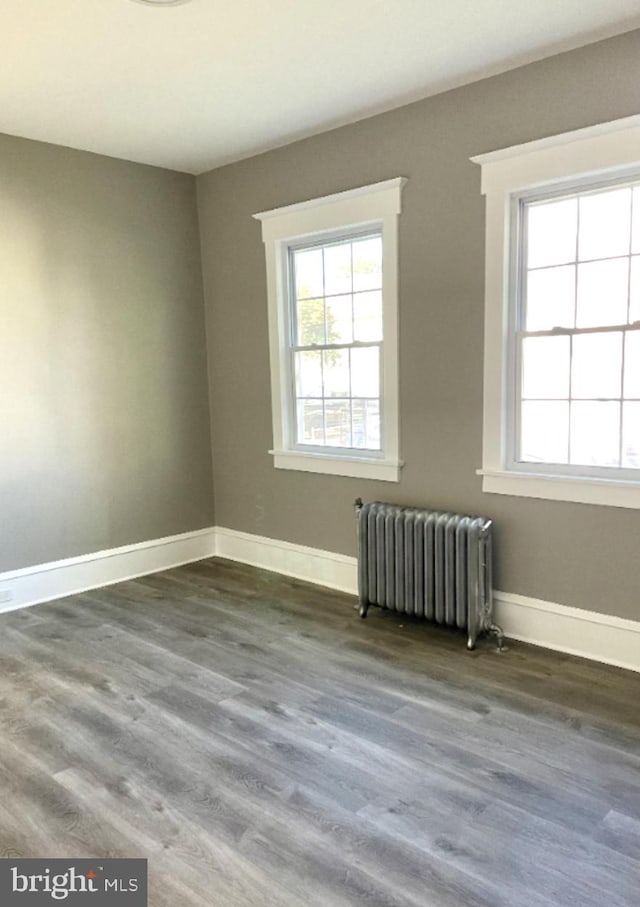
{"x": 261, "y": 745}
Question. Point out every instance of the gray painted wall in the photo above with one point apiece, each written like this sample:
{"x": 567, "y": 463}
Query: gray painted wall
{"x": 569, "y": 553}
{"x": 104, "y": 422}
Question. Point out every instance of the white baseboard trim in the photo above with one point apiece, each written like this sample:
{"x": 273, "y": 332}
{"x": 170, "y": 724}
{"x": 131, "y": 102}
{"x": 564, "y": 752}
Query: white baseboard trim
{"x": 600, "y": 637}
{"x": 44, "y": 582}
{"x": 589, "y": 634}
{"x": 325, "y": 568}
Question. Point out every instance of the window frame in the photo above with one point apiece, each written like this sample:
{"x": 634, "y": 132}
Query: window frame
{"x": 607, "y": 153}
{"x": 518, "y": 332}
{"x": 343, "y": 215}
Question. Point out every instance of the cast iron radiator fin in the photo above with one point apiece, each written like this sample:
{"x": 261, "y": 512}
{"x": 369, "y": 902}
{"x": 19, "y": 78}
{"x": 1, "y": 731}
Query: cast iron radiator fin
{"x": 426, "y": 564}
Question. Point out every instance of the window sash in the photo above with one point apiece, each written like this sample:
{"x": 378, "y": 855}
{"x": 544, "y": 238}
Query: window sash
{"x": 294, "y": 398}
{"x": 570, "y": 399}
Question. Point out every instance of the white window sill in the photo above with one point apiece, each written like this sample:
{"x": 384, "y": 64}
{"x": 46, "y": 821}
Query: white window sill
{"x": 608, "y": 492}
{"x": 355, "y": 467}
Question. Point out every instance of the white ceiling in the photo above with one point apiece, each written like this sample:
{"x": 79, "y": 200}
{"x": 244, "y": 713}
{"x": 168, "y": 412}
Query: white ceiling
{"x": 194, "y": 86}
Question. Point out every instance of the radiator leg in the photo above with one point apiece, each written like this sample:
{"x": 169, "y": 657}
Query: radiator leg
{"x": 495, "y": 630}
{"x": 364, "y": 607}
{"x": 492, "y": 630}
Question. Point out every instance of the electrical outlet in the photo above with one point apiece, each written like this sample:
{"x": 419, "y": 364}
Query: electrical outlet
{"x": 6, "y": 595}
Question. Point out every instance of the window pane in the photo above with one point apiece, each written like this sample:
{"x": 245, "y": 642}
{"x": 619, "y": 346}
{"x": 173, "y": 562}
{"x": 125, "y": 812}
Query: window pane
{"x": 365, "y": 372}
{"x": 367, "y": 316}
{"x": 308, "y": 273}
{"x": 308, "y": 374}
{"x": 336, "y": 373}
{"x": 367, "y": 264}
{"x": 310, "y": 422}
{"x": 603, "y": 293}
{"x": 634, "y": 307}
{"x": 544, "y": 432}
{"x": 337, "y": 423}
{"x": 631, "y": 435}
{"x": 339, "y": 319}
{"x": 605, "y": 219}
{"x": 359, "y": 422}
{"x": 595, "y": 434}
{"x": 310, "y": 322}
{"x": 373, "y": 425}
{"x": 551, "y": 298}
{"x": 545, "y": 367}
{"x": 632, "y": 365}
{"x": 596, "y": 365}
{"x": 551, "y": 233}
{"x": 337, "y": 269}
{"x": 635, "y": 235}
{"x": 366, "y": 424}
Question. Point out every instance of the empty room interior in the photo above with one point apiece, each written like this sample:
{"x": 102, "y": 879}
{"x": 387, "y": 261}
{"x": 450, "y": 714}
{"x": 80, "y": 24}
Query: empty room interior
{"x": 320, "y": 453}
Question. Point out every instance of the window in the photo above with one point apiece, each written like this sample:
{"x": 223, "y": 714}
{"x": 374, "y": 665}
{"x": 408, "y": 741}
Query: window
{"x": 562, "y": 318}
{"x": 332, "y": 292}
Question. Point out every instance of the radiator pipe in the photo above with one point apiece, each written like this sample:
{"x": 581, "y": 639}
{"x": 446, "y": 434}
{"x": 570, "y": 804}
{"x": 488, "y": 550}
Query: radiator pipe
{"x": 362, "y": 601}
{"x": 489, "y": 627}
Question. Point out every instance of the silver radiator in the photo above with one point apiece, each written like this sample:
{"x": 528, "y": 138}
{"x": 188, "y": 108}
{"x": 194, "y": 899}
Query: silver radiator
{"x": 425, "y": 564}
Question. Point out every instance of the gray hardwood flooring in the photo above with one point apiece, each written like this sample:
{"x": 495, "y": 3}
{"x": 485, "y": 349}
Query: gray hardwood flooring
{"x": 261, "y": 745}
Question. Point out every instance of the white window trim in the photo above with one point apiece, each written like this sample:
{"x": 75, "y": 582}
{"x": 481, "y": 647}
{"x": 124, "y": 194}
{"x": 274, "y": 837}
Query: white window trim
{"x": 377, "y": 206}
{"x": 607, "y": 149}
